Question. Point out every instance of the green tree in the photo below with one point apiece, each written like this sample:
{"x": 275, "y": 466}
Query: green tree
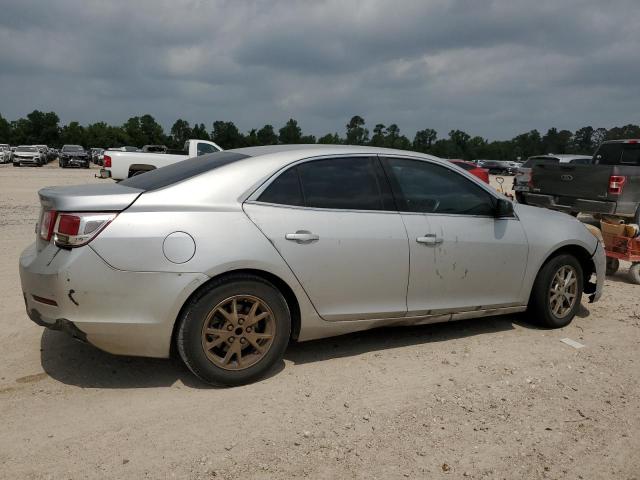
{"x": 43, "y": 128}
{"x": 152, "y": 130}
{"x": 356, "y": 133}
{"x": 424, "y": 139}
{"x": 227, "y": 135}
{"x": 267, "y": 136}
{"x": 99, "y": 134}
{"x": 330, "y": 139}
{"x": 5, "y": 130}
{"x": 582, "y": 140}
{"x": 199, "y": 132}
{"x": 180, "y": 133}
{"x": 555, "y": 141}
{"x": 74, "y": 133}
{"x": 378, "y": 139}
{"x": 290, "y": 133}
{"x": 133, "y": 130}
{"x": 251, "y": 138}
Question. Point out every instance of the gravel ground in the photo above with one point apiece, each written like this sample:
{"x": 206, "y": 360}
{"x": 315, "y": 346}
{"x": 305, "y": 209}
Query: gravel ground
{"x": 490, "y": 398}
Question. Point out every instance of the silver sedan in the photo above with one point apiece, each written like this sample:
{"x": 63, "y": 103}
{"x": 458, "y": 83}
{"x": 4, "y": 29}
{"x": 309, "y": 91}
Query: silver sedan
{"x": 229, "y": 256}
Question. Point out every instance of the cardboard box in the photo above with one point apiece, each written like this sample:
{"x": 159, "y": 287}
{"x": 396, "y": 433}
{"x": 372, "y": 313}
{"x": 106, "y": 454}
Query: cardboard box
{"x": 612, "y": 228}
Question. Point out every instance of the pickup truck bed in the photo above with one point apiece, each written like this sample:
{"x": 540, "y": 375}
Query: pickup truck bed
{"x": 609, "y": 185}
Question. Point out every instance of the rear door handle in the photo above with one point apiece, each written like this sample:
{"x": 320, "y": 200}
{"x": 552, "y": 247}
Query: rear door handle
{"x": 302, "y": 236}
{"x": 430, "y": 239}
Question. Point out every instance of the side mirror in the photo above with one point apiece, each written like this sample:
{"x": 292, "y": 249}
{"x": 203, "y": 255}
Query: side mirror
{"x": 504, "y": 208}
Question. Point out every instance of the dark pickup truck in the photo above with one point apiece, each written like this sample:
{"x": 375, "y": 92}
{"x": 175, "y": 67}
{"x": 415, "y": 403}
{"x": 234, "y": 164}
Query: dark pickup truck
{"x": 609, "y": 184}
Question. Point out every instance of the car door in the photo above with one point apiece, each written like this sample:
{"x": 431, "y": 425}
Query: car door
{"x": 462, "y": 256}
{"x": 334, "y": 223}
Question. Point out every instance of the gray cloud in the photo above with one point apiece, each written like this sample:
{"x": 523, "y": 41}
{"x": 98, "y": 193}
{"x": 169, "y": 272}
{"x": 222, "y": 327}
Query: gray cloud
{"x": 493, "y": 68}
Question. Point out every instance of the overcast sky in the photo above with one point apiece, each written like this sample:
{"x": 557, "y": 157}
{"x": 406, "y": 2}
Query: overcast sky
{"x": 491, "y": 68}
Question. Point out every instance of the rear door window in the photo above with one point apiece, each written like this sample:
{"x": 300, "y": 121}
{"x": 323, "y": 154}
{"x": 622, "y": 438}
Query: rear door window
{"x": 350, "y": 183}
{"x": 343, "y": 183}
{"x": 284, "y": 190}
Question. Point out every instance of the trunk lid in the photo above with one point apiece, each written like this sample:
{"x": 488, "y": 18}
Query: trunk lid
{"x": 88, "y": 198}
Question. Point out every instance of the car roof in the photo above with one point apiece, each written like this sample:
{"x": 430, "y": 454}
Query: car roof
{"x": 233, "y": 179}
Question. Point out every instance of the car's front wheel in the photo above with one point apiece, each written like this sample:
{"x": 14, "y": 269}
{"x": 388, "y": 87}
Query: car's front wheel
{"x": 557, "y": 292}
{"x": 234, "y": 330}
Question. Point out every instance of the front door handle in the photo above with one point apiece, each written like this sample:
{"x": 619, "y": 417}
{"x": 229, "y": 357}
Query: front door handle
{"x": 430, "y": 239}
{"x": 302, "y": 236}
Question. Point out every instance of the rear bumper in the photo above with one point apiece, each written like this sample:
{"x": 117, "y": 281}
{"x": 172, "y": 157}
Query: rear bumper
{"x": 570, "y": 204}
{"x": 128, "y": 313}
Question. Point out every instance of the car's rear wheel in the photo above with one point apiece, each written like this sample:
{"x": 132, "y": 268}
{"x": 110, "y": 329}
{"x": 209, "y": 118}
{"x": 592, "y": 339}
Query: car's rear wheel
{"x": 234, "y": 330}
{"x": 557, "y": 292}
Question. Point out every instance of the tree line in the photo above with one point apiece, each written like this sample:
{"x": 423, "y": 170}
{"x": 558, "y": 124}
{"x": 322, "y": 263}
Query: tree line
{"x": 45, "y": 128}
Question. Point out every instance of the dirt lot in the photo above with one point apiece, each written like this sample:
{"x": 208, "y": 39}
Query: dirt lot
{"x": 492, "y": 398}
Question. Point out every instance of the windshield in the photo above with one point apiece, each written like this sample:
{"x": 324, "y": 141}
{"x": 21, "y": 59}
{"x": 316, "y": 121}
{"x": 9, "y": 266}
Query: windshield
{"x": 27, "y": 149}
{"x": 72, "y": 148}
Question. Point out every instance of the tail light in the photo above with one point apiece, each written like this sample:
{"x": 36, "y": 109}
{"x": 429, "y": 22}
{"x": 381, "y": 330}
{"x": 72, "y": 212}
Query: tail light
{"x": 70, "y": 230}
{"x": 107, "y": 161}
{"x": 530, "y": 178}
{"x": 47, "y": 222}
{"x": 616, "y": 184}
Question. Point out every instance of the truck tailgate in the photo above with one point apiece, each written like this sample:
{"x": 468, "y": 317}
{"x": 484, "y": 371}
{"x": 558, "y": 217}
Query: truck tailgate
{"x": 570, "y": 181}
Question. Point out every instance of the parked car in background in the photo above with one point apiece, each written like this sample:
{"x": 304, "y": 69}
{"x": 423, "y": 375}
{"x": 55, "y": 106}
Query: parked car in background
{"x": 95, "y": 154}
{"x": 120, "y": 165}
{"x": 473, "y": 169}
{"x": 609, "y": 185}
{"x": 497, "y": 167}
{"x": 523, "y": 174}
{"x": 5, "y": 153}
{"x": 227, "y": 257}
{"x": 28, "y": 155}
{"x": 74, "y": 156}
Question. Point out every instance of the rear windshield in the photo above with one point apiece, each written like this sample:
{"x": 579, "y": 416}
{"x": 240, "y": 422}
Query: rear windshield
{"x": 618, "y": 153}
{"x": 177, "y": 172}
{"x": 538, "y": 160}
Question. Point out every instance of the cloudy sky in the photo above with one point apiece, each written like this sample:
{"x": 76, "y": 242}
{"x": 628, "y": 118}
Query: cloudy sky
{"x": 491, "y": 68}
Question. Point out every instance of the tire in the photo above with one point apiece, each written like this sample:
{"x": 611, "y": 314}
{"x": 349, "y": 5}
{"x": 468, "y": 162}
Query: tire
{"x": 634, "y": 273}
{"x": 61, "y": 165}
{"x": 16, "y": 164}
{"x": 613, "y": 264}
{"x": 519, "y": 197}
{"x": 212, "y": 365}
{"x": 541, "y": 303}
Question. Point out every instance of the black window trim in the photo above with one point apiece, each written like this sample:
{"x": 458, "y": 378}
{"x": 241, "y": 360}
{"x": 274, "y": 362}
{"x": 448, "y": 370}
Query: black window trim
{"x": 382, "y": 179}
{"x": 399, "y": 201}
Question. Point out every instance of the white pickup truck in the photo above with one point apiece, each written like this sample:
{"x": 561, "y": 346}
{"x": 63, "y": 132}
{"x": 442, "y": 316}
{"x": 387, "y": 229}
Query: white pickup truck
{"x": 119, "y": 165}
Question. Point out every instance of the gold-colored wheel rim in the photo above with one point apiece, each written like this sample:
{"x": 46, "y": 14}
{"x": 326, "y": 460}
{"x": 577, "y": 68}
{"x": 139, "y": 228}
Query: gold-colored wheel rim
{"x": 238, "y": 332}
{"x": 563, "y": 291}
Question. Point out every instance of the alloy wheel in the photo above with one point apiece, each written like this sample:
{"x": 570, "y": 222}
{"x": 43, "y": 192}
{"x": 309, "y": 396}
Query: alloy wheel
{"x": 563, "y": 291}
{"x": 238, "y": 332}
